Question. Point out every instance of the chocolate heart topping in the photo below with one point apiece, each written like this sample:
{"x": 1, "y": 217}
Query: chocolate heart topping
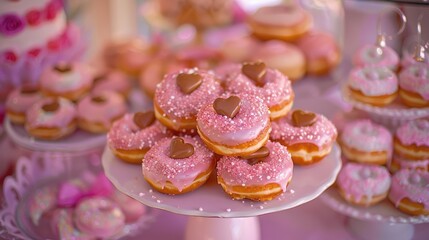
{"x": 257, "y": 156}
{"x": 179, "y": 149}
{"x": 29, "y": 90}
{"x": 228, "y": 107}
{"x": 144, "y": 119}
{"x": 302, "y": 118}
{"x": 188, "y": 82}
{"x": 98, "y": 99}
{"x": 255, "y": 71}
{"x": 99, "y": 77}
{"x": 51, "y": 107}
{"x": 63, "y": 68}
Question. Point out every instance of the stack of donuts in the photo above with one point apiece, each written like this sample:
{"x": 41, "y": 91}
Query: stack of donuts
{"x": 69, "y": 96}
{"x": 369, "y": 147}
{"x": 240, "y": 123}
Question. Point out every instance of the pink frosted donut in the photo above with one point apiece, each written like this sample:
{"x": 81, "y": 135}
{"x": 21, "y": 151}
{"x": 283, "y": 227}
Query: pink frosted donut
{"x": 260, "y": 178}
{"x": 321, "y": 51}
{"x": 173, "y": 174}
{"x": 99, "y": 217}
{"x": 19, "y": 101}
{"x": 239, "y": 49}
{"x": 308, "y": 136}
{"x": 408, "y": 60}
{"x": 200, "y": 56}
{"x": 131, "y": 208}
{"x": 176, "y": 107}
{"x": 274, "y": 88}
{"x": 366, "y": 142}
{"x": 97, "y": 112}
{"x": 130, "y": 141}
{"x": 112, "y": 81}
{"x": 242, "y": 134}
{"x": 368, "y": 56}
{"x": 414, "y": 85}
{"x": 70, "y": 81}
{"x": 412, "y": 140}
{"x": 409, "y": 191}
{"x": 51, "y": 118}
{"x": 64, "y": 227}
{"x": 363, "y": 184}
{"x": 399, "y": 162}
{"x": 373, "y": 85}
{"x": 44, "y": 199}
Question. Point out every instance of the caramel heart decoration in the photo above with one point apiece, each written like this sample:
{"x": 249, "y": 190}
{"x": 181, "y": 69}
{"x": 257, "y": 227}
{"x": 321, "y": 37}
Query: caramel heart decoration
{"x": 63, "y": 68}
{"x": 255, "y": 71}
{"x": 179, "y": 149}
{"x": 51, "y": 107}
{"x": 188, "y": 82}
{"x": 98, "y": 99}
{"x": 257, "y": 156}
{"x": 144, "y": 119}
{"x": 228, "y": 107}
{"x": 302, "y": 118}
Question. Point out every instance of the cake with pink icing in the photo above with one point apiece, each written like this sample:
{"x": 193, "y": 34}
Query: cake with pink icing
{"x": 180, "y": 95}
{"x": 260, "y": 176}
{"x": 19, "y": 101}
{"x": 234, "y": 125}
{"x": 71, "y": 81}
{"x": 255, "y": 78}
{"x": 366, "y": 142}
{"x": 414, "y": 85}
{"x": 178, "y": 165}
{"x": 368, "y": 55}
{"x": 373, "y": 85}
{"x": 412, "y": 140}
{"x": 97, "y": 112}
{"x": 308, "y": 136}
{"x": 112, "y": 81}
{"x": 363, "y": 184}
{"x": 322, "y": 53}
{"x": 399, "y": 163}
{"x": 134, "y": 134}
{"x": 51, "y": 118}
{"x": 410, "y": 191}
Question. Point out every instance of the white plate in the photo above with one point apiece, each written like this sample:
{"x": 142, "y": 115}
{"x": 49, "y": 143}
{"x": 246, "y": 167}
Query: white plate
{"x": 210, "y": 200}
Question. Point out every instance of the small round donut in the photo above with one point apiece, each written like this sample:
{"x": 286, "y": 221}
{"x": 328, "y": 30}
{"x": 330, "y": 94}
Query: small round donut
{"x": 373, "y": 85}
{"x": 234, "y": 125}
{"x": 409, "y": 191}
{"x": 71, "y": 81}
{"x": 178, "y": 165}
{"x": 134, "y": 134}
{"x": 412, "y": 140}
{"x": 285, "y": 57}
{"x": 19, "y": 101}
{"x": 308, "y": 136}
{"x": 366, "y": 142}
{"x": 131, "y": 208}
{"x": 269, "y": 84}
{"x": 97, "y": 112}
{"x": 112, "y": 81}
{"x": 283, "y": 22}
{"x": 414, "y": 85}
{"x": 363, "y": 184}
{"x": 399, "y": 162}
{"x": 201, "y": 56}
{"x": 63, "y": 225}
{"x": 321, "y": 51}
{"x": 51, "y": 118}
{"x": 99, "y": 217}
{"x": 367, "y": 55}
{"x": 181, "y": 94}
{"x": 260, "y": 176}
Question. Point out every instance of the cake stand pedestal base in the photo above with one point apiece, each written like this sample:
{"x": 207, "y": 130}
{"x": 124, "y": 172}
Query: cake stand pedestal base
{"x": 372, "y": 230}
{"x": 204, "y": 228}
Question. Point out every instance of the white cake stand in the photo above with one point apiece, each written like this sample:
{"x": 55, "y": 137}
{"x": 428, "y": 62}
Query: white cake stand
{"x": 381, "y": 221}
{"x": 213, "y": 214}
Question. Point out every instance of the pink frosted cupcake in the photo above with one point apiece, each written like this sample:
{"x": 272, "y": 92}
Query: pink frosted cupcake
{"x": 178, "y": 165}
{"x": 134, "y": 134}
{"x": 261, "y": 176}
{"x": 414, "y": 85}
{"x": 97, "y": 112}
{"x": 114, "y": 81}
{"x": 363, "y": 184}
{"x": 71, "y": 81}
{"x": 51, "y": 118}
{"x": 412, "y": 140}
{"x": 368, "y": 56}
{"x": 373, "y": 85}
{"x": 19, "y": 101}
{"x": 366, "y": 142}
